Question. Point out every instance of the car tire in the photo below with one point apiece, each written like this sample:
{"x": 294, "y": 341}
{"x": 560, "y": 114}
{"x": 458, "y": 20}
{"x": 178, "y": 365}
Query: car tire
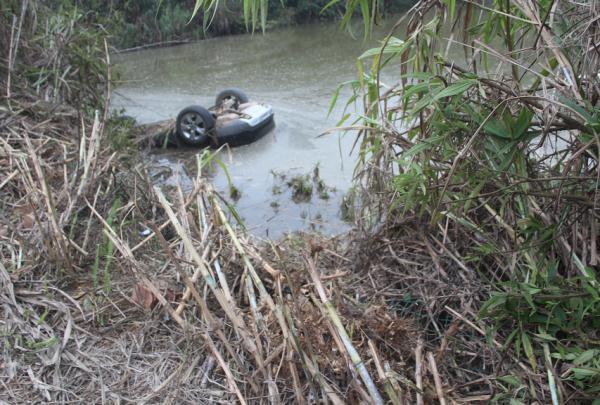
{"x": 194, "y": 125}
{"x": 239, "y": 97}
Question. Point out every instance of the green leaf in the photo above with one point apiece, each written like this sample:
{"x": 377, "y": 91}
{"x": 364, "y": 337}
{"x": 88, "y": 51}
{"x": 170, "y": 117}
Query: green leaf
{"x": 197, "y": 6}
{"x": 364, "y": 9}
{"x": 498, "y": 128}
{"x": 511, "y": 379}
{"x": 264, "y": 8}
{"x": 452, "y": 90}
{"x": 509, "y": 339}
{"x": 586, "y": 356}
{"x": 421, "y": 146}
{"x": 522, "y": 123}
{"x": 247, "y": 8}
{"x": 393, "y": 46}
{"x": 493, "y": 302}
{"x": 420, "y": 87}
{"x": 544, "y": 336}
{"x": 528, "y": 348}
{"x": 328, "y": 5}
{"x": 451, "y": 4}
{"x": 584, "y": 373}
{"x": 578, "y": 109}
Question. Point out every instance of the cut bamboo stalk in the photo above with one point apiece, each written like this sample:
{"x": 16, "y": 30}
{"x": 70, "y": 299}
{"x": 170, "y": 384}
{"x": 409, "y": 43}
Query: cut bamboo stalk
{"x": 331, "y": 312}
{"x": 309, "y": 366}
{"x": 229, "y": 308}
{"x": 59, "y": 236}
{"x": 389, "y": 389}
{"x": 257, "y": 281}
{"x": 436, "y": 378}
{"x": 8, "y": 178}
{"x": 187, "y": 293}
{"x": 295, "y": 379}
{"x": 126, "y": 252}
{"x": 213, "y": 323}
{"x": 338, "y": 341}
{"x": 419, "y": 371}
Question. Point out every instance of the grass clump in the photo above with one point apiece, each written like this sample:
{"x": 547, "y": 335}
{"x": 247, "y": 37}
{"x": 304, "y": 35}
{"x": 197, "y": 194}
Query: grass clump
{"x": 302, "y": 188}
{"x": 348, "y": 206}
{"x": 119, "y": 129}
{"x": 234, "y": 193}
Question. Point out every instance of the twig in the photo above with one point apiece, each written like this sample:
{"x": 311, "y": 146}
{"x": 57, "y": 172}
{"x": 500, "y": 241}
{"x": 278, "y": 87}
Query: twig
{"x": 419, "y": 371}
{"x": 389, "y": 389}
{"x": 10, "y": 57}
{"x": 436, "y": 378}
{"x": 153, "y": 45}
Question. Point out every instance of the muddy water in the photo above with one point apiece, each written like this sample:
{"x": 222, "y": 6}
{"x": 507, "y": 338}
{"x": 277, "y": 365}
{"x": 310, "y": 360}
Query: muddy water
{"x": 296, "y": 70}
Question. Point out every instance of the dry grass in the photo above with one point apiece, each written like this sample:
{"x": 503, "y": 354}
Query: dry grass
{"x": 196, "y": 312}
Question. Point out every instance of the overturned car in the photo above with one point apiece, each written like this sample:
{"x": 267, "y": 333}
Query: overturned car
{"x": 234, "y": 120}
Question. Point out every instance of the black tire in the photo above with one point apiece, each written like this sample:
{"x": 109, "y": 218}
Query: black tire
{"x": 194, "y": 125}
{"x": 238, "y": 96}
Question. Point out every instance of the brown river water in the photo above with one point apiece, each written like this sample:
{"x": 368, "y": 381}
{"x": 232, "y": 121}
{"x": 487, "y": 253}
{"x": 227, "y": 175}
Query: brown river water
{"x": 296, "y": 70}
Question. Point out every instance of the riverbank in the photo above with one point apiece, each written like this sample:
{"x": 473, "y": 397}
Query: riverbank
{"x": 137, "y": 25}
{"x": 114, "y": 288}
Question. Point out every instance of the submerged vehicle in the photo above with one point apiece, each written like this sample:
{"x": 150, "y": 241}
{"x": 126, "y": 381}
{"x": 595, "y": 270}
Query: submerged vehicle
{"x": 233, "y": 120}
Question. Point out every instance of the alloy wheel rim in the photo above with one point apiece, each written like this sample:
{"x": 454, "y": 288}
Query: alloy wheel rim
{"x": 192, "y": 126}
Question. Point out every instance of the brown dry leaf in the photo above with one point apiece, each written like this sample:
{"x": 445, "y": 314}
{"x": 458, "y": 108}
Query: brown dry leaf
{"x": 27, "y": 221}
{"x": 26, "y": 215}
{"x": 143, "y": 297}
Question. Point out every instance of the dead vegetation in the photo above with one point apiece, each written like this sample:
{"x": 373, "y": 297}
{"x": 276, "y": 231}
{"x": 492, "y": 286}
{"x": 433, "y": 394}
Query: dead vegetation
{"x": 114, "y": 290}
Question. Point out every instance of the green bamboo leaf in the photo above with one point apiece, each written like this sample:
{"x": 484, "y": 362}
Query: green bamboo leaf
{"x": 455, "y": 89}
{"x": 264, "y": 8}
{"x": 580, "y": 373}
{"x": 361, "y": 74}
{"x": 247, "y": 8}
{"x": 364, "y": 9}
{"x": 493, "y": 302}
{"x": 421, "y": 146}
{"x": 350, "y": 7}
{"x": 522, "y": 123}
{"x": 510, "y": 379}
{"x": 197, "y": 6}
{"x": 418, "y": 88}
{"x": 452, "y": 90}
{"x": 342, "y": 120}
{"x": 451, "y": 4}
{"x": 328, "y": 5}
{"x": 498, "y": 128}
{"x": 545, "y": 336}
{"x": 528, "y": 348}
{"x": 393, "y": 46}
{"x": 577, "y": 108}
{"x": 586, "y": 357}
{"x": 333, "y": 101}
